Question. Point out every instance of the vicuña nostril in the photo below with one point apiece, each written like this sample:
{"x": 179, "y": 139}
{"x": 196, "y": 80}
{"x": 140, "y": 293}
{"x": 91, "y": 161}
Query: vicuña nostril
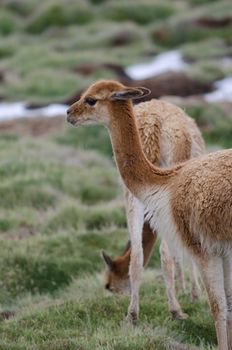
{"x": 68, "y": 111}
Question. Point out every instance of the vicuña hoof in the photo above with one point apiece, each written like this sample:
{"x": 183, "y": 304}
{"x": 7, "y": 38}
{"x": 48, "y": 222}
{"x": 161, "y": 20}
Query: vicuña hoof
{"x": 132, "y": 318}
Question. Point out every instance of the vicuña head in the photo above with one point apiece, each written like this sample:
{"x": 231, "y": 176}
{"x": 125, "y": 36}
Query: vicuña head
{"x": 117, "y": 269}
{"x": 93, "y": 106}
{"x": 107, "y": 102}
{"x": 117, "y": 272}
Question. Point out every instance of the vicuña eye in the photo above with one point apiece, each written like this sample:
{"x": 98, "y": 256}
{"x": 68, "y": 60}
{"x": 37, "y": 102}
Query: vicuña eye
{"x": 91, "y": 101}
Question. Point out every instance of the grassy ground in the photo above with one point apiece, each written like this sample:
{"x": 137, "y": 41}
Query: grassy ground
{"x": 53, "y": 224}
{"x": 60, "y": 198}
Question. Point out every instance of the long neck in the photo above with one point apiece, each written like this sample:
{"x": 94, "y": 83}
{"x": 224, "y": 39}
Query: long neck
{"x": 136, "y": 171}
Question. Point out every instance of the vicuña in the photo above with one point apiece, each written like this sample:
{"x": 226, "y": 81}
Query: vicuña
{"x": 190, "y": 202}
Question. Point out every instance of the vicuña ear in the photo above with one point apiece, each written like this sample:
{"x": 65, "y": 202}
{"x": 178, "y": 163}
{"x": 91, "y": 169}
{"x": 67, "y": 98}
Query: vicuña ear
{"x": 130, "y": 93}
{"x": 108, "y": 261}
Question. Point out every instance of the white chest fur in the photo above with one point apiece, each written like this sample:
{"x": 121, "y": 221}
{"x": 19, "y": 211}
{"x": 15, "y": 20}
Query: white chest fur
{"x": 158, "y": 213}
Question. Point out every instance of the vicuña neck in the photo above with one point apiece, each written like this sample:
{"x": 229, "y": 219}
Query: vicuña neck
{"x": 136, "y": 171}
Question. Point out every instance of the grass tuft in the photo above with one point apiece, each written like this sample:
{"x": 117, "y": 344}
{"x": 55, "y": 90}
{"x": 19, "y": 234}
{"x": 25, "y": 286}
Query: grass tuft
{"x": 87, "y": 138}
{"x": 8, "y": 22}
{"x": 57, "y": 15}
{"x": 143, "y": 13}
{"x": 25, "y": 194}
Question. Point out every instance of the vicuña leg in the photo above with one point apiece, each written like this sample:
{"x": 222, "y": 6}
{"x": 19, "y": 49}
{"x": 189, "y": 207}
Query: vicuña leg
{"x": 179, "y": 272}
{"x": 213, "y": 277}
{"x": 167, "y": 265}
{"x": 227, "y": 266}
{"x": 194, "y": 282}
{"x": 135, "y": 219}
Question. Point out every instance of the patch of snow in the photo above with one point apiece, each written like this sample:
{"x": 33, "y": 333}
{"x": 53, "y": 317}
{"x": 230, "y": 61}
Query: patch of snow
{"x": 223, "y": 91}
{"x": 9, "y": 111}
{"x": 226, "y": 62}
{"x": 164, "y": 62}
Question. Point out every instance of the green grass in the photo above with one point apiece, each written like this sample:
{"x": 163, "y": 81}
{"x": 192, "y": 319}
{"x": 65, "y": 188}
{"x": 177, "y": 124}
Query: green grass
{"x": 50, "y": 256}
{"x": 87, "y": 138}
{"x": 206, "y": 49}
{"x": 215, "y": 122}
{"x": 55, "y": 14}
{"x": 185, "y": 29}
{"x": 60, "y": 197}
{"x": 50, "y": 204}
{"x": 83, "y": 316}
{"x": 144, "y": 13}
{"x": 44, "y": 264}
{"x": 8, "y": 22}
{"x": 24, "y": 9}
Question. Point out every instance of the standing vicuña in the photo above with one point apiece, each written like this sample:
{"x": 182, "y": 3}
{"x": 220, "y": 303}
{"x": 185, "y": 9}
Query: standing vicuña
{"x": 168, "y": 137}
{"x": 191, "y": 202}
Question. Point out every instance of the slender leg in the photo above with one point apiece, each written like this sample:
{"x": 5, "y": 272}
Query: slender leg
{"x": 195, "y": 286}
{"x": 227, "y": 267}
{"x": 179, "y": 273}
{"x": 167, "y": 265}
{"x": 135, "y": 219}
{"x": 213, "y": 277}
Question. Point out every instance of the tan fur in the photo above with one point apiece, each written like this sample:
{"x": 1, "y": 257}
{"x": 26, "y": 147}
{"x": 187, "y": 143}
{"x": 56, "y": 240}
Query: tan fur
{"x": 165, "y": 131}
{"x": 201, "y": 198}
{"x": 191, "y": 202}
